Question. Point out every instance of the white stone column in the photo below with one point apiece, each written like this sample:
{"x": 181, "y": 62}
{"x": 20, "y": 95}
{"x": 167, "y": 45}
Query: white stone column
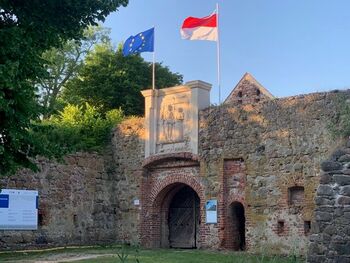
{"x": 200, "y": 99}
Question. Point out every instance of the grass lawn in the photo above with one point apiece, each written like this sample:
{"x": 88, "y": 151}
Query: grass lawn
{"x": 109, "y": 255}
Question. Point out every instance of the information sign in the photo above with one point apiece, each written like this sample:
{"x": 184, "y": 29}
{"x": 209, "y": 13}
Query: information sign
{"x": 18, "y": 209}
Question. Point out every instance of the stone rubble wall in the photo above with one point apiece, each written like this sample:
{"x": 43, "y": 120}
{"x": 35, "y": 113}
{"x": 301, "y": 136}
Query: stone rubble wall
{"x": 282, "y": 143}
{"x": 77, "y": 203}
{"x": 279, "y": 143}
{"x": 275, "y": 145}
{"x": 330, "y": 239}
{"x": 128, "y": 154}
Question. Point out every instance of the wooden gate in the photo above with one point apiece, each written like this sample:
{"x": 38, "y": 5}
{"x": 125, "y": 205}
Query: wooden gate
{"x": 184, "y": 219}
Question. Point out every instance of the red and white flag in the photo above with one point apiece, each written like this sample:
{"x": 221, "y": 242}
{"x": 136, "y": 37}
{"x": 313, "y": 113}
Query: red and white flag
{"x": 205, "y": 28}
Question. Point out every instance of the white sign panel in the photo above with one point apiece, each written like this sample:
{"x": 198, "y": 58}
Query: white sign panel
{"x": 211, "y": 210}
{"x": 18, "y": 209}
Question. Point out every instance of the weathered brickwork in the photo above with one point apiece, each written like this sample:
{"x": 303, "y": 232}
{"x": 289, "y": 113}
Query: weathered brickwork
{"x": 128, "y": 152}
{"x": 250, "y": 157}
{"x": 233, "y": 183}
{"x": 261, "y": 160}
{"x": 160, "y": 183}
{"x": 281, "y": 143}
{"x": 77, "y": 203}
{"x": 330, "y": 240}
{"x": 248, "y": 91}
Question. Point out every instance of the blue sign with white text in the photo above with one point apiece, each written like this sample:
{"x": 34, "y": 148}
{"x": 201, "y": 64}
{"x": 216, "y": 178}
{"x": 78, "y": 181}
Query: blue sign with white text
{"x": 4, "y": 201}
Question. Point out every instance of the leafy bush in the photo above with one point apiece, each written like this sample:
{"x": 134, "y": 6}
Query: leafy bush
{"x": 339, "y": 126}
{"x": 75, "y": 128}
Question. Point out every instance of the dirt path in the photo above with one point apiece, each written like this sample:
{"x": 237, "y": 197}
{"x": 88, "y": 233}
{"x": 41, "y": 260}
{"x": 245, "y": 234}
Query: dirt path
{"x": 64, "y": 258}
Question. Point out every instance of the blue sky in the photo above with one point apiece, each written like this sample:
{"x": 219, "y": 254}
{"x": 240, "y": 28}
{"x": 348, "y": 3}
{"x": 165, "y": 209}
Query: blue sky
{"x": 291, "y": 47}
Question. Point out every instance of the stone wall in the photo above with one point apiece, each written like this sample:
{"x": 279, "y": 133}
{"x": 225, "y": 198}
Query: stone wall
{"x": 281, "y": 144}
{"x": 88, "y": 198}
{"x": 77, "y": 202}
{"x": 330, "y": 240}
{"x": 265, "y": 156}
{"x": 128, "y": 154}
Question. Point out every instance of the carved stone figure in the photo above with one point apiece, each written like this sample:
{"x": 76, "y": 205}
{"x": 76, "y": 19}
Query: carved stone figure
{"x": 168, "y": 122}
{"x": 180, "y": 123}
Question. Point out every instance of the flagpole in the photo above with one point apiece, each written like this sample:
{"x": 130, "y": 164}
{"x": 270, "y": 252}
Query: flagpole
{"x": 153, "y": 72}
{"x": 154, "y": 96}
{"x": 154, "y": 64}
{"x": 218, "y": 51}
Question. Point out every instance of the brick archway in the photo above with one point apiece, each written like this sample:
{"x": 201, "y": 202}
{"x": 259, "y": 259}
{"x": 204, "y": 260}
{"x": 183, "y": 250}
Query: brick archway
{"x": 235, "y": 226}
{"x": 160, "y": 186}
{"x": 160, "y": 192}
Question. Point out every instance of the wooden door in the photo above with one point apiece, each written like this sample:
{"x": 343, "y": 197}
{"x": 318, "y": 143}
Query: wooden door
{"x": 184, "y": 219}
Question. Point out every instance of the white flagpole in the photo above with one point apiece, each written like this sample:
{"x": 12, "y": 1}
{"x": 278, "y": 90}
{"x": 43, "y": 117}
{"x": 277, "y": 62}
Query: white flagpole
{"x": 153, "y": 130}
{"x": 154, "y": 63}
{"x": 154, "y": 72}
{"x": 218, "y": 50}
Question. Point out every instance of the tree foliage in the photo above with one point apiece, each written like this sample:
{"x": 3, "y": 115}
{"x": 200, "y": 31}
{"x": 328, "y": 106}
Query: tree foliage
{"x": 63, "y": 63}
{"x": 75, "y": 128}
{"x": 339, "y": 124}
{"x": 27, "y": 29}
{"x": 109, "y": 80}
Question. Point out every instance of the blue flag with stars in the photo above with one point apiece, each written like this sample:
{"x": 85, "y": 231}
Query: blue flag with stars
{"x": 142, "y": 42}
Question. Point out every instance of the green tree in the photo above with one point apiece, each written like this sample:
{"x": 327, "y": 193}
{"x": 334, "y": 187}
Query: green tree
{"x": 109, "y": 80}
{"x": 75, "y": 128}
{"x": 27, "y": 29}
{"x": 63, "y": 63}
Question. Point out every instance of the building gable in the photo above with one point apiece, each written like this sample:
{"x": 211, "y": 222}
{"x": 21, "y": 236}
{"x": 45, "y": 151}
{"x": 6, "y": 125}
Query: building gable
{"x": 248, "y": 91}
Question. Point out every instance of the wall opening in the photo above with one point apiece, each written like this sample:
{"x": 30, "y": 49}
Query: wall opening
{"x": 40, "y": 218}
{"x": 307, "y": 227}
{"x": 184, "y": 218}
{"x": 280, "y": 227}
{"x": 296, "y": 195}
{"x": 75, "y": 220}
{"x": 155, "y": 215}
{"x": 236, "y": 227}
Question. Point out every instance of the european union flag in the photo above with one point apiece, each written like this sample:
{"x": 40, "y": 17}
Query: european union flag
{"x": 142, "y": 42}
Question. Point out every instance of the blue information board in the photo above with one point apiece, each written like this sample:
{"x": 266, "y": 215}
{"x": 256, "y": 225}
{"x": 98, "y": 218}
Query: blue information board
{"x": 211, "y": 211}
{"x": 18, "y": 209}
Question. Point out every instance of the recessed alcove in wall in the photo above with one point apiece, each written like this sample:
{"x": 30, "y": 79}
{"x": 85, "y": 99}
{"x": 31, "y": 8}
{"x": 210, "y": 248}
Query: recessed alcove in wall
{"x": 307, "y": 227}
{"x": 296, "y": 195}
{"x": 280, "y": 227}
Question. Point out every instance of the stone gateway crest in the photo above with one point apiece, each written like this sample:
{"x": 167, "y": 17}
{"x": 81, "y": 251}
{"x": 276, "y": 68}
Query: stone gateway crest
{"x": 171, "y": 122}
{"x": 172, "y": 117}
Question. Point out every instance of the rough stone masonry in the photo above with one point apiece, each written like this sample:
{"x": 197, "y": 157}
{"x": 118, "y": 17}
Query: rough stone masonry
{"x": 330, "y": 241}
{"x": 258, "y": 156}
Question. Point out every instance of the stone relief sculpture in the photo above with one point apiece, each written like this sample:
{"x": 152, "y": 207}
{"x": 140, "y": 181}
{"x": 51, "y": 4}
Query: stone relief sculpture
{"x": 180, "y": 121}
{"x": 171, "y": 126}
{"x": 168, "y": 123}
